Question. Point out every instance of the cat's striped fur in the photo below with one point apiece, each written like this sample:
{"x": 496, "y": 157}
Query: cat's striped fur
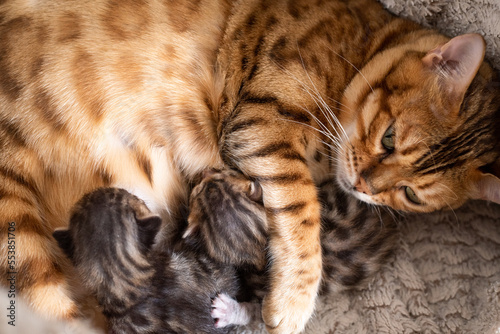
{"x": 145, "y": 94}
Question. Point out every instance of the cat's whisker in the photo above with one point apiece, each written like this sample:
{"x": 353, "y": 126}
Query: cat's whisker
{"x": 326, "y": 109}
{"x": 335, "y": 160}
{"x": 451, "y": 209}
{"x": 455, "y": 197}
{"x": 343, "y": 135}
{"x": 353, "y": 66}
{"x": 318, "y": 98}
{"x": 325, "y": 131}
{"x": 336, "y": 148}
{"x": 376, "y": 209}
{"x": 330, "y": 116}
{"x": 307, "y": 90}
{"x": 335, "y": 144}
{"x": 330, "y": 135}
{"x": 391, "y": 213}
{"x": 344, "y": 108}
{"x": 320, "y": 106}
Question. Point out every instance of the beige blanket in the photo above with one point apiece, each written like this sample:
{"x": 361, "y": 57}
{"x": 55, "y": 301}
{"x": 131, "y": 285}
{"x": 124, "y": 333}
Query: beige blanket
{"x": 445, "y": 274}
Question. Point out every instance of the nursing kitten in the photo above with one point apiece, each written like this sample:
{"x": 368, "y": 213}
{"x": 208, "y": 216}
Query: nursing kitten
{"x": 144, "y": 95}
{"x": 226, "y": 212}
{"x": 141, "y": 284}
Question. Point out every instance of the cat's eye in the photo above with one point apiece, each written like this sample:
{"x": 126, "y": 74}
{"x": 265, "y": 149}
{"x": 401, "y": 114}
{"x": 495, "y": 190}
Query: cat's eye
{"x": 388, "y": 139}
{"x": 412, "y": 197}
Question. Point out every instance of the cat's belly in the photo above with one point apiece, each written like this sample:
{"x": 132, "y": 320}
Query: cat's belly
{"x": 163, "y": 192}
{"x": 147, "y": 171}
{"x": 143, "y": 167}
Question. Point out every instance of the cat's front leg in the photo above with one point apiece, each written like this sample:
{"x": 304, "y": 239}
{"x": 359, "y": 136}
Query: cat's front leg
{"x": 293, "y": 215}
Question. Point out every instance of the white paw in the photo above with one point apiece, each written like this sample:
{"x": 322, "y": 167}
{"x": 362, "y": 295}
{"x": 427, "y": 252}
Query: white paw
{"x": 228, "y": 311}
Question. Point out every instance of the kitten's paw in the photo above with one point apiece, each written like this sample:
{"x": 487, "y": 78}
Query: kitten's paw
{"x": 285, "y": 312}
{"x": 227, "y": 311}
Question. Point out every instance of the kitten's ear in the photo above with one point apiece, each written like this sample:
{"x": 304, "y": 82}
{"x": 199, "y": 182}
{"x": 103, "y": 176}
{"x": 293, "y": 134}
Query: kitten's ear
{"x": 488, "y": 184}
{"x": 255, "y": 192}
{"x": 65, "y": 242}
{"x": 191, "y": 230}
{"x": 456, "y": 63}
{"x": 148, "y": 227}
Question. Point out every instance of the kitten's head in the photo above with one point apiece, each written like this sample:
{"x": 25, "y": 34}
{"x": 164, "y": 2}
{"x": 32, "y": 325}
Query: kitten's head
{"x": 108, "y": 239}
{"x": 227, "y": 217}
{"x": 426, "y": 134}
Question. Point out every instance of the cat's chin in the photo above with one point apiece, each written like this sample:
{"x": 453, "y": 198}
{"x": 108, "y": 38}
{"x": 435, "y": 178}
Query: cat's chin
{"x": 363, "y": 197}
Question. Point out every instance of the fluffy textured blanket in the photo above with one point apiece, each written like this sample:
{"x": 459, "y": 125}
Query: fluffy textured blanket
{"x": 445, "y": 274}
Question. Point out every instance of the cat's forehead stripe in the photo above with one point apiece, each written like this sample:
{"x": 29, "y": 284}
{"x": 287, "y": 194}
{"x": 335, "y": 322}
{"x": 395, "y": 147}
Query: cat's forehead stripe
{"x": 469, "y": 141}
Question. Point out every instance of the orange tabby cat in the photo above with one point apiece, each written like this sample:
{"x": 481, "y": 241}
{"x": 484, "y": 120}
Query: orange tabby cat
{"x": 145, "y": 94}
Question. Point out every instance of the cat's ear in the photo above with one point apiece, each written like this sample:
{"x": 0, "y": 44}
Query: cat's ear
{"x": 456, "y": 64}
{"x": 65, "y": 242}
{"x": 148, "y": 228}
{"x": 487, "y": 184}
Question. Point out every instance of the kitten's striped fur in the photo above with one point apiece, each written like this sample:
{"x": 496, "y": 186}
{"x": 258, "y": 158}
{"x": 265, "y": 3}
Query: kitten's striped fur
{"x": 145, "y": 94}
{"x": 142, "y": 284}
{"x": 226, "y": 212}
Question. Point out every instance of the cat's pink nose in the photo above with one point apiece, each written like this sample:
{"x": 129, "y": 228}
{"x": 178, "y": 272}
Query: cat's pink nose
{"x": 362, "y": 187}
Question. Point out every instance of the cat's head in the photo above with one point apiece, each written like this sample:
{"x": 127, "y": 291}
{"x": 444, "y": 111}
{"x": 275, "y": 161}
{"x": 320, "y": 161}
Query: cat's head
{"x": 227, "y": 218}
{"x": 425, "y": 134}
{"x": 109, "y": 236}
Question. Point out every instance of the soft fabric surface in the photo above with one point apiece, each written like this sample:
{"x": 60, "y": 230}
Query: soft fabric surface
{"x": 445, "y": 274}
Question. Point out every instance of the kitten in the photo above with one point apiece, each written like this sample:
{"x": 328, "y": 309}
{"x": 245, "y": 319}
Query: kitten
{"x": 144, "y": 95}
{"x": 226, "y": 212}
{"x": 141, "y": 284}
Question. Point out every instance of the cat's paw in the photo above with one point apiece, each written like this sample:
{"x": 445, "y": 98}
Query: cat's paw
{"x": 286, "y": 312}
{"x": 53, "y": 301}
{"x": 227, "y": 311}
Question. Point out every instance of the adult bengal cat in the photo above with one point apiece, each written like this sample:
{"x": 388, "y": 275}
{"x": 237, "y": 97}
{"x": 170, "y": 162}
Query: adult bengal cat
{"x": 144, "y": 95}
